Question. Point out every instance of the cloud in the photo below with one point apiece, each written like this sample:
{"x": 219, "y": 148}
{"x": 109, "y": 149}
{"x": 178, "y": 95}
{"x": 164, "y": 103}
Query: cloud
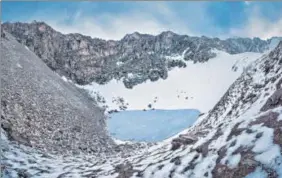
{"x": 258, "y": 25}
{"x": 247, "y": 3}
{"x": 114, "y": 21}
{"x": 115, "y": 26}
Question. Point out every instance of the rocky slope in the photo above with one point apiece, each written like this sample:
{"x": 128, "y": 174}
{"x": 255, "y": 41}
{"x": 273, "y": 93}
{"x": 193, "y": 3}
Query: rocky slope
{"x": 40, "y": 110}
{"x": 240, "y": 136}
{"x": 133, "y": 59}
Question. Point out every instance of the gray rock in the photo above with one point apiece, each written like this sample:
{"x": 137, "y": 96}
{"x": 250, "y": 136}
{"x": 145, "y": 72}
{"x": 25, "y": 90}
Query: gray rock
{"x": 43, "y": 111}
{"x": 273, "y": 101}
{"x": 183, "y": 139}
{"x": 124, "y": 170}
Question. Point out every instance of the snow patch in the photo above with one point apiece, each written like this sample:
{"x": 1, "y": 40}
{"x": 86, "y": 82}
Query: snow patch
{"x": 265, "y": 141}
{"x": 268, "y": 157}
{"x": 279, "y": 110}
{"x": 258, "y": 173}
{"x": 280, "y": 117}
{"x": 119, "y": 63}
{"x": 205, "y": 165}
{"x": 234, "y": 160}
{"x": 19, "y": 66}
{"x": 27, "y": 48}
{"x": 65, "y": 79}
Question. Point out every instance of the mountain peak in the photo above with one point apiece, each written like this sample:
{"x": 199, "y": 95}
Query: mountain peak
{"x": 135, "y": 36}
{"x": 168, "y": 34}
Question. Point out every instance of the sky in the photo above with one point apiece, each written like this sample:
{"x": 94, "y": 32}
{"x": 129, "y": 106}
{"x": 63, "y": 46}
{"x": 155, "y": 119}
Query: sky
{"x": 113, "y": 20}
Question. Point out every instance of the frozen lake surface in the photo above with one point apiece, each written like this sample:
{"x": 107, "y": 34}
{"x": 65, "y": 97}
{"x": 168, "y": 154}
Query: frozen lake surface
{"x": 150, "y": 125}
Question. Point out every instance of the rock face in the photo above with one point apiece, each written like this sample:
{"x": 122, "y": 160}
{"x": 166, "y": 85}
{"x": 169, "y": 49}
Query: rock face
{"x": 133, "y": 59}
{"x": 183, "y": 140}
{"x": 274, "y": 101}
{"x": 40, "y": 110}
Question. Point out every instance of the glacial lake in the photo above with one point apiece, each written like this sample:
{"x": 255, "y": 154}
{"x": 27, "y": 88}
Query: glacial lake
{"x": 150, "y": 125}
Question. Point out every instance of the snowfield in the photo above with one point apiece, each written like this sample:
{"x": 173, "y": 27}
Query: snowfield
{"x": 198, "y": 86}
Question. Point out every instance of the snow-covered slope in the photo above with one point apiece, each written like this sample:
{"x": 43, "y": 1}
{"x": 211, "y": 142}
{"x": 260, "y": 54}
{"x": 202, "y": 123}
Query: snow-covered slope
{"x": 198, "y": 86}
{"x": 241, "y": 136}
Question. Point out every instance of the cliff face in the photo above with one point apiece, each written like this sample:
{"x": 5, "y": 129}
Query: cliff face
{"x": 39, "y": 109}
{"x": 84, "y": 59}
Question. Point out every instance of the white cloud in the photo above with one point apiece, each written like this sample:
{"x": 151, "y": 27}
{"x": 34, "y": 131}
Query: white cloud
{"x": 259, "y": 26}
{"x": 154, "y": 17}
{"x": 109, "y": 27}
{"x": 115, "y": 26}
{"x": 247, "y": 2}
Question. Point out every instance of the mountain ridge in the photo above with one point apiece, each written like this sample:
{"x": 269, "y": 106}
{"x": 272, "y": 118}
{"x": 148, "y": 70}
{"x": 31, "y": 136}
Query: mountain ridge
{"x": 84, "y": 59}
{"x": 137, "y": 32}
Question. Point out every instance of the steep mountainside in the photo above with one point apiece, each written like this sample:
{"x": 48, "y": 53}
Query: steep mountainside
{"x": 133, "y": 59}
{"x": 240, "y": 136}
{"x": 40, "y": 110}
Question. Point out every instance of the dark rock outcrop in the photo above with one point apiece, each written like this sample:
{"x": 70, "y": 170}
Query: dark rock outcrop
{"x": 124, "y": 170}
{"x": 183, "y": 139}
{"x": 273, "y": 101}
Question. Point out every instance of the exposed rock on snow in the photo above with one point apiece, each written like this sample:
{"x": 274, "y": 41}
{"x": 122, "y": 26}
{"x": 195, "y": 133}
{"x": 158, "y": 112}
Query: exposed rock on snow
{"x": 274, "y": 101}
{"x": 182, "y": 140}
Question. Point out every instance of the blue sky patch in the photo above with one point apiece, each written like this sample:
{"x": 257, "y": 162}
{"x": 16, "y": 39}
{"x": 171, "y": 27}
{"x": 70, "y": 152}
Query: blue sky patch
{"x": 112, "y": 20}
